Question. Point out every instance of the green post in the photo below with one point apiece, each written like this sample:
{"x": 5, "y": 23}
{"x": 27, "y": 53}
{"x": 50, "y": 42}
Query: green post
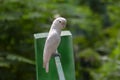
{"x": 67, "y": 58}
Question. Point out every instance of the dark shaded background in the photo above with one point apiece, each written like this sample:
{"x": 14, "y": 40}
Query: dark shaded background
{"x": 95, "y": 25}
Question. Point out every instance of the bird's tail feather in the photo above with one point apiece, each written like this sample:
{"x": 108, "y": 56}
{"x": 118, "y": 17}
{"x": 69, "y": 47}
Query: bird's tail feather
{"x": 46, "y": 66}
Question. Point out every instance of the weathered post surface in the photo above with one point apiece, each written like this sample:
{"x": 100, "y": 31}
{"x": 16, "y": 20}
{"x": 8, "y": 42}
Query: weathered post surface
{"x": 67, "y": 57}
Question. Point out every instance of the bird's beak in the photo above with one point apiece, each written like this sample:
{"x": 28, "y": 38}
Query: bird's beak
{"x": 63, "y": 24}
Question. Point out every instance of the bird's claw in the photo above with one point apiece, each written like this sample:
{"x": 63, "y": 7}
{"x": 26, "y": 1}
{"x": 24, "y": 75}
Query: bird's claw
{"x": 56, "y": 55}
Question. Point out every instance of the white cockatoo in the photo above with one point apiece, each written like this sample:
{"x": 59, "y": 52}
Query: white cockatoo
{"x": 53, "y": 40}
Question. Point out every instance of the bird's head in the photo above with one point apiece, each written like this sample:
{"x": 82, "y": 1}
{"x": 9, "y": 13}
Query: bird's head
{"x": 60, "y": 22}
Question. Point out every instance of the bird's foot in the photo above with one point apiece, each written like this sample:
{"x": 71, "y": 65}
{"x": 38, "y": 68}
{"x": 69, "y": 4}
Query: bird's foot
{"x": 56, "y": 55}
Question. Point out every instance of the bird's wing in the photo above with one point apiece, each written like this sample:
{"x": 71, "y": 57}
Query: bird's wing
{"x": 52, "y": 41}
{"x": 51, "y": 45}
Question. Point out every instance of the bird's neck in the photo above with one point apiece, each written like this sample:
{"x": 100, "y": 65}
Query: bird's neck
{"x": 57, "y": 29}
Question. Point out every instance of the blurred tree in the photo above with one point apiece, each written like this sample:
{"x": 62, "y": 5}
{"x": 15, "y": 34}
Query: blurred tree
{"x": 94, "y": 24}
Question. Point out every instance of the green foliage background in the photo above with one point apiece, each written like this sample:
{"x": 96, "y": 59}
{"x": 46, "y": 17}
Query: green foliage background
{"x": 95, "y": 25}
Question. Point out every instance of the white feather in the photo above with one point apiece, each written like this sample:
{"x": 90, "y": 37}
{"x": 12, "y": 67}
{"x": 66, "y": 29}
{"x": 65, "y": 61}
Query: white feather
{"x": 52, "y": 41}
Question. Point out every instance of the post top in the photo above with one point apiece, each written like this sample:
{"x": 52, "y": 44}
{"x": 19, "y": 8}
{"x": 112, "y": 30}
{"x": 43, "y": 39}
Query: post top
{"x": 43, "y": 35}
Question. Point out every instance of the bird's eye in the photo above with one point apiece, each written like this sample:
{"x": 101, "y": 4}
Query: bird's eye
{"x": 59, "y": 21}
